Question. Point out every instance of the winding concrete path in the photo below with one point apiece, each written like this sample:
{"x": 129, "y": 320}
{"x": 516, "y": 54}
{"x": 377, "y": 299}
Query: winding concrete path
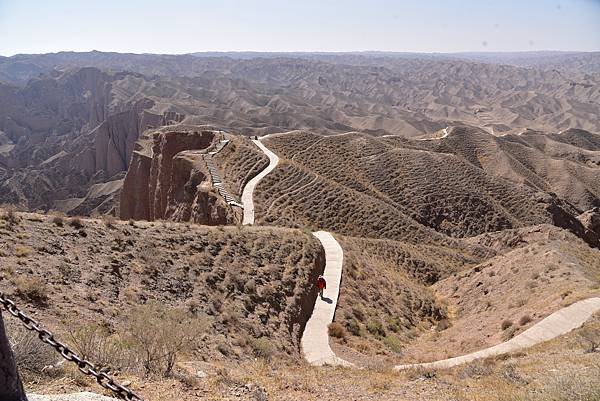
{"x": 248, "y": 192}
{"x": 555, "y": 325}
{"x": 315, "y": 339}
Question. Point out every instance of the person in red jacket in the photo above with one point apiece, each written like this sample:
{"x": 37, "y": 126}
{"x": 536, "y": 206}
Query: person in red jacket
{"x": 321, "y": 284}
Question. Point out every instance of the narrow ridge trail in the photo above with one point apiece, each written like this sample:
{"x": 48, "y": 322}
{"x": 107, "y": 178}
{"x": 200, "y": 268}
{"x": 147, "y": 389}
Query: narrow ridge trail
{"x": 248, "y": 192}
{"x": 315, "y": 339}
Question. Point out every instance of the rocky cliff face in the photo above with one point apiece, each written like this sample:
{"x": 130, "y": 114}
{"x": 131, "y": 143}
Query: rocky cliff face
{"x": 167, "y": 180}
{"x": 63, "y": 137}
{"x": 591, "y": 223}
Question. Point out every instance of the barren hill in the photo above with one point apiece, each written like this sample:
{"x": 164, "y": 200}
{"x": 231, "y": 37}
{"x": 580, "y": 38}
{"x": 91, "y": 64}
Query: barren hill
{"x": 390, "y": 306}
{"x": 243, "y": 283}
{"x": 566, "y": 163}
{"x": 360, "y": 185}
{"x": 501, "y": 297}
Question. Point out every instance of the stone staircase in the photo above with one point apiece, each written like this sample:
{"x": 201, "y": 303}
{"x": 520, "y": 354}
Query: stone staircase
{"x": 215, "y": 176}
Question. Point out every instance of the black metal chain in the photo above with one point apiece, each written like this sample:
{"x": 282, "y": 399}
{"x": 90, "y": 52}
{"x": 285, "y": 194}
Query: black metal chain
{"x": 84, "y": 366}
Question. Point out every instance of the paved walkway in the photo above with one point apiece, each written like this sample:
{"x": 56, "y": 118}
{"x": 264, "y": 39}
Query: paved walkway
{"x": 248, "y": 192}
{"x": 315, "y": 339}
{"x": 555, "y": 325}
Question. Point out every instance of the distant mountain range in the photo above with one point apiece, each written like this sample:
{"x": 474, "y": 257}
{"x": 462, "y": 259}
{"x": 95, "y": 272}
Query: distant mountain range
{"x": 68, "y": 121}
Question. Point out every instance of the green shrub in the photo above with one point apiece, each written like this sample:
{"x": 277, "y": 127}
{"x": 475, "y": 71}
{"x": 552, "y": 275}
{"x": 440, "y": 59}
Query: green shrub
{"x": 353, "y": 327}
{"x": 262, "y": 347}
{"x": 376, "y": 328}
{"x": 393, "y": 343}
{"x": 394, "y": 325}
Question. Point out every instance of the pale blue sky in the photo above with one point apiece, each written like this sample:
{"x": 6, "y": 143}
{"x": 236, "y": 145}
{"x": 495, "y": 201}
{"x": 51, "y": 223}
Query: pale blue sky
{"x": 182, "y": 26}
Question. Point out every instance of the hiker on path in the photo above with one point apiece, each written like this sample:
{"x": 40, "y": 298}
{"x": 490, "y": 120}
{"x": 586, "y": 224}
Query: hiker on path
{"x": 321, "y": 284}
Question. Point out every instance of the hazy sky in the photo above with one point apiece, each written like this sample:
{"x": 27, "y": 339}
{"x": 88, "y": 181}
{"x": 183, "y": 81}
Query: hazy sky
{"x": 182, "y": 26}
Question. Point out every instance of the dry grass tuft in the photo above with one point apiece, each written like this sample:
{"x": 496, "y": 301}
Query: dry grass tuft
{"x": 33, "y": 289}
{"x": 337, "y": 330}
{"x": 22, "y": 251}
{"x": 58, "y": 219}
{"x": 506, "y": 324}
{"x": 262, "y": 347}
{"x": 9, "y": 214}
{"x": 109, "y": 220}
{"x": 31, "y": 354}
{"x": 76, "y": 222}
{"x": 524, "y": 320}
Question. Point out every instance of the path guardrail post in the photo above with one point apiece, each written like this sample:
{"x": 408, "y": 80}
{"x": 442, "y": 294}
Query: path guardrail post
{"x": 11, "y": 387}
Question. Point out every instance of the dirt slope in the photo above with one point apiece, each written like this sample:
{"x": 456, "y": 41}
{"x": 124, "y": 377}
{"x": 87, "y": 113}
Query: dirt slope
{"x": 418, "y": 304}
{"x": 499, "y": 298}
{"x": 244, "y": 283}
{"x": 566, "y": 163}
{"x": 360, "y": 185}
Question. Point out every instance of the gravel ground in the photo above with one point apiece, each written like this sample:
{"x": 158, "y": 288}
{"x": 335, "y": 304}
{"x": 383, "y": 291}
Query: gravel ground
{"x": 69, "y": 397}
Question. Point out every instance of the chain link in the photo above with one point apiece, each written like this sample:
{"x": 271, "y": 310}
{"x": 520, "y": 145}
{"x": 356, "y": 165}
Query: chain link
{"x": 86, "y": 367}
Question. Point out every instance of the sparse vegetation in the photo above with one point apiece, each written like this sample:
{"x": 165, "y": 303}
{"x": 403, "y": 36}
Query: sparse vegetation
{"x": 76, "y": 222}
{"x": 442, "y": 238}
{"x": 524, "y": 320}
{"x": 393, "y": 342}
{"x": 33, "y": 289}
{"x": 353, "y": 327}
{"x": 22, "y": 251}
{"x": 31, "y": 355}
{"x": 109, "y": 220}
{"x": 159, "y": 335}
{"x": 509, "y": 333}
{"x": 476, "y": 369}
{"x": 256, "y": 278}
{"x": 506, "y": 324}
{"x": 262, "y": 347}
{"x": 337, "y": 330}
{"x": 58, "y": 220}
{"x": 95, "y": 343}
{"x": 376, "y": 328}
{"x": 9, "y": 215}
